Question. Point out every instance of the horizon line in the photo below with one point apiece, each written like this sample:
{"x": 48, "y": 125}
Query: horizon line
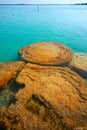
{"x": 43, "y": 4}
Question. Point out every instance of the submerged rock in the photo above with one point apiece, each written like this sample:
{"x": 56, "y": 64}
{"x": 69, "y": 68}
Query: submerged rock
{"x": 56, "y": 95}
{"x": 46, "y": 53}
{"x": 79, "y": 64}
{"x": 8, "y": 70}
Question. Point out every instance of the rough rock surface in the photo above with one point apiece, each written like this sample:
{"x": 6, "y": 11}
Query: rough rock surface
{"x": 16, "y": 117}
{"x": 46, "y": 53}
{"x": 56, "y": 95}
{"x": 43, "y": 97}
{"x": 79, "y": 64}
{"x": 8, "y": 70}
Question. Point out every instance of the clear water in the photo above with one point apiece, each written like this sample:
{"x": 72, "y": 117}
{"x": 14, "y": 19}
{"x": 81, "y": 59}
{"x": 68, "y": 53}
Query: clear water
{"x": 24, "y": 25}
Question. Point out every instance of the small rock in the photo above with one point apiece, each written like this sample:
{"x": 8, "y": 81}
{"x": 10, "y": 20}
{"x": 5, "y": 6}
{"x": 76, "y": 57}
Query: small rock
{"x": 8, "y": 70}
{"x": 79, "y": 64}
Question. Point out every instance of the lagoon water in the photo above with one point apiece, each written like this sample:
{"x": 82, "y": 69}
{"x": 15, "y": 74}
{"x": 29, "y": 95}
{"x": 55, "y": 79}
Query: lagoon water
{"x": 24, "y": 25}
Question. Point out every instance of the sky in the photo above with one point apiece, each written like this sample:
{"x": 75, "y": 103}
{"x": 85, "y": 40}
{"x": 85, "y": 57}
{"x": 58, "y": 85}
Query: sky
{"x": 42, "y": 1}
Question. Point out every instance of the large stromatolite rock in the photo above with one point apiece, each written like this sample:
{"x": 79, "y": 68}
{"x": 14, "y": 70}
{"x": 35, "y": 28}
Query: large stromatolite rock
{"x": 55, "y": 95}
{"x": 8, "y": 70}
{"x": 79, "y": 64}
{"x": 46, "y": 53}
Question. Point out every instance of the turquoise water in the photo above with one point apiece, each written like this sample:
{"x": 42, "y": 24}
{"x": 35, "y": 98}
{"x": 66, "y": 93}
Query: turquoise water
{"x": 24, "y": 25}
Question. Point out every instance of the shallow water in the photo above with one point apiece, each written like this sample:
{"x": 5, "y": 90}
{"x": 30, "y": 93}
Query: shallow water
{"x": 23, "y": 25}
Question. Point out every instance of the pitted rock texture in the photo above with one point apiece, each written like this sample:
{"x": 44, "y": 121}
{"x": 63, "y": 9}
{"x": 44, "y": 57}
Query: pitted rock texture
{"x": 8, "y": 70}
{"x": 56, "y": 95}
{"x": 79, "y": 64}
{"x": 16, "y": 117}
{"x": 46, "y": 53}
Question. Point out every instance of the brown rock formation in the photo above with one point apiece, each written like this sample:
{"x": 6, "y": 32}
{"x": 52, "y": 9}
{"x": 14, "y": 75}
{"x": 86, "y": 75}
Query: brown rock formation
{"x": 46, "y": 97}
{"x": 79, "y": 64}
{"x": 46, "y": 53}
{"x": 8, "y": 70}
{"x": 16, "y": 117}
{"x": 56, "y": 95}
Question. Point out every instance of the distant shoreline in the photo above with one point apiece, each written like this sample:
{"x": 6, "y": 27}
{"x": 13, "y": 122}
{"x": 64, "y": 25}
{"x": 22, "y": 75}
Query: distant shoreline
{"x": 41, "y": 4}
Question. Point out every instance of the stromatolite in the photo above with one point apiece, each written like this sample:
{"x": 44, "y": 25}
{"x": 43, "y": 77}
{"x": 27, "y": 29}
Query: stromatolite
{"x": 8, "y": 70}
{"x": 79, "y": 64}
{"x": 46, "y": 53}
{"x": 54, "y": 92}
